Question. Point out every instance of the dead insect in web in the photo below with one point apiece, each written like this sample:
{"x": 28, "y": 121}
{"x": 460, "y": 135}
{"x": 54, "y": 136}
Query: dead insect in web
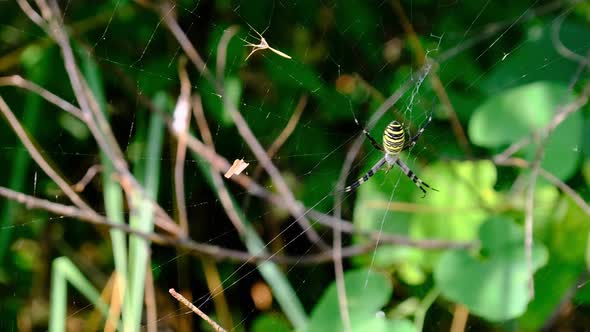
{"x": 263, "y": 45}
{"x": 237, "y": 168}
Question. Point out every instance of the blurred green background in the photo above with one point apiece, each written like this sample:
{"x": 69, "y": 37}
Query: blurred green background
{"x": 500, "y": 72}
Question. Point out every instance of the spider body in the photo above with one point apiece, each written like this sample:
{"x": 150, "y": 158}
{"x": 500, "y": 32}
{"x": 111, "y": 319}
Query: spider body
{"x": 394, "y": 142}
{"x": 394, "y": 138}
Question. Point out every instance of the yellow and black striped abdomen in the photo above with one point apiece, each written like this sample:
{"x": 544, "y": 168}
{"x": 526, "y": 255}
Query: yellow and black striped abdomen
{"x": 394, "y": 138}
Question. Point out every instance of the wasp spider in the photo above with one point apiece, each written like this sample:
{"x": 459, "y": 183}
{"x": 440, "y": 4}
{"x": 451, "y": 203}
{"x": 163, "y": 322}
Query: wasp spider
{"x": 394, "y": 142}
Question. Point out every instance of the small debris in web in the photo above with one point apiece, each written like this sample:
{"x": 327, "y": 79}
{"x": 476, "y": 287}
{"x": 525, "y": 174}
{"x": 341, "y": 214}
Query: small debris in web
{"x": 237, "y": 168}
{"x": 263, "y": 45}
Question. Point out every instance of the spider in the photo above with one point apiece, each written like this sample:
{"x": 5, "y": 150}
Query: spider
{"x": 394, "y": 142}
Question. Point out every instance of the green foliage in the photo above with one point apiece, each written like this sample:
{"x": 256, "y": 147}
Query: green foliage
{"x": 528, "y": 108}
{"x": 500, "y": 73}
{"x": 367, "y": 292}
{"x": 270, "y": 322}
{"x": 495, "y": 285}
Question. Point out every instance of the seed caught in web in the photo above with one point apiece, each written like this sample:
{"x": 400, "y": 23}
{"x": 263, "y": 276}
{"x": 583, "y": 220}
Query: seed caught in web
{"x": 237, "y": 168}
{"x": 263, "y": 45}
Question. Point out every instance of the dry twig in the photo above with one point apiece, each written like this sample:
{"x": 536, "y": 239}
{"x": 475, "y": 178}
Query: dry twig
{"x": 245, "y": 131}
{"x": 196, "y": 310}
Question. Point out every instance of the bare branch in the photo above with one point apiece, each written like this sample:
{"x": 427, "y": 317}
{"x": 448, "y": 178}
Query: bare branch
{"x": 39, "y": 158}
{"x": 560, "y": 115}
{"x": 222, "y": 50}
{"x": 200, "y": 249}
{"x": 90, "y": 174}
{"x": 218, "y": 183}
{"x": 196, "y": 310}
{"x": 247, "y": 134}
{"x": 20, "y": 82}
{"x": 180, "y": 124}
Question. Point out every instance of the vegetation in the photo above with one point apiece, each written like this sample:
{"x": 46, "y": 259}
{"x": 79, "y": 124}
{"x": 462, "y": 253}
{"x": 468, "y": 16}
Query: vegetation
{"x": 122, "y": 118}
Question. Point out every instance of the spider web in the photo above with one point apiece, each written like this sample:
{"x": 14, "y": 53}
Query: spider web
{"x": 346, "y": 66}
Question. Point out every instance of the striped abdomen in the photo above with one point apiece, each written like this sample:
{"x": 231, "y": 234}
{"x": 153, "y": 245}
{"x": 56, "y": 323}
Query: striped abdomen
{"x": 394, "y": 138}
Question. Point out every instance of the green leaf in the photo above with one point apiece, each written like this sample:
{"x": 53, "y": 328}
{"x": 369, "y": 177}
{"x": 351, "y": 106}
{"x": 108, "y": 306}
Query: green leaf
{"x": 457, "y": 210}
{"x": 270, "y": 322}
{"x": 562, "y": 148}
{"x": 366, "y": 292}
{"x": 63, "y": 271}
{"x": 586, "y": 171}
{"x": 566, "y": 236}
{"x": 517, "y": 113}
{"x": 509, "y": 116}
{"x": 494, "y": 287}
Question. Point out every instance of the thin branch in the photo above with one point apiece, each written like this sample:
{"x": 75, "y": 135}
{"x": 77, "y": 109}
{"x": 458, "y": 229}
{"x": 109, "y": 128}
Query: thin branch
{"x": 20, "y": 82}
{"x": 39, "y": 158}
{"x": 581, "y": 67}
{"x": 151, "y": 308}
{"x": 165, "y": 222}
{"x": 566, "y": 189}
{"x": 115, "y": 283}
{"x": 558, "y": 44}
{"x": 180, "y": 126}
{"x": 196, "y": 310}
{"x": 278, "y": 143}
{"x": 214, "y": 282}
{"x": 511, "y": 150}
{"x": 246, "y": 133}
{"x": 528, "y": 219}
{"x": 521, "y": 163}
{"x": 91, "y": 113}
{"x": 90, "y": 174}
{"x": 31, "y": 13}
{"x": 222, "y": 49}
{"x": 560, "y": 116}
{"x": 460, "y": 316}
{"x": 339, "y": 266}
{"x": 218, "y": 183}
{"x": 564, "y": 303}
{"x": 191, "y": 52}
{"x": 195, "y": 248}
{"x": 221, "y": 165}
{"x": 289, "y": 128}
{"x": 93, "y": 117}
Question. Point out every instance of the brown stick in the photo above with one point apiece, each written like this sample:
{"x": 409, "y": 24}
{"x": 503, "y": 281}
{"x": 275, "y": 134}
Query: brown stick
{"x": 39, "y": 158}
{"x": 180, "y": 125}
{"x": 245, "y": 131}
{"x": 196, "y": 310}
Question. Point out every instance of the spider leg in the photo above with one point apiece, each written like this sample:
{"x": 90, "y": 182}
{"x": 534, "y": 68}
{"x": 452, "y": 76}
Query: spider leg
{"x": 365, "y": 177}
{"x": 414, "y": 139}
{"x": 417, "y": 181}
{"x": 371, "y": 139}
